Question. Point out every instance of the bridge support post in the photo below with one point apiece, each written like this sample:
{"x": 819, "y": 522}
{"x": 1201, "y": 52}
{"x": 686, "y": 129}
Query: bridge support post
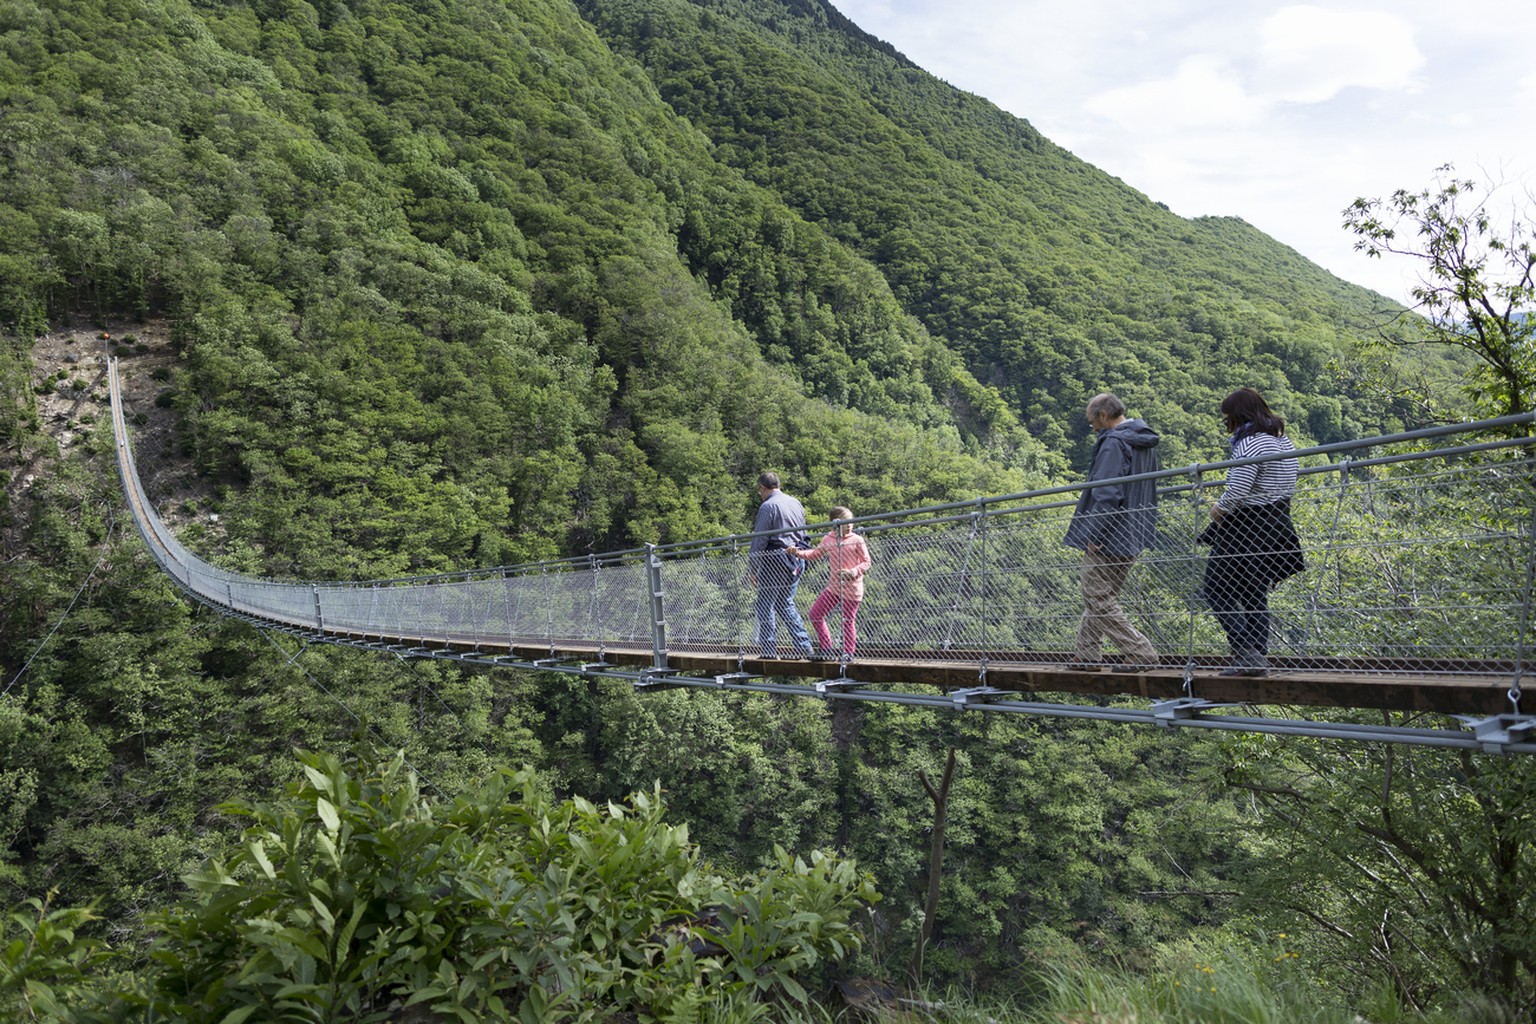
{"x": 1525, "y": 614}
{"x": 658, "y": 612}
{"x": 319, "y": 622}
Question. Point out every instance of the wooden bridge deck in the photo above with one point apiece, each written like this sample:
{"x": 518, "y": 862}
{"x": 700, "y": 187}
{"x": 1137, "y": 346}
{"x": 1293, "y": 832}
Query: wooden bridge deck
{"x": 1445, "y": 687}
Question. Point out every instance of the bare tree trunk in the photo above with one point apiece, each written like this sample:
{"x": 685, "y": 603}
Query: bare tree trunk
{"x": 940, "y": 798}
{"x": 847, "y": 724}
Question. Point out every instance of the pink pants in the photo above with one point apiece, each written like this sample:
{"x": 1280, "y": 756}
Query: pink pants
{"x": 825, "y": 602}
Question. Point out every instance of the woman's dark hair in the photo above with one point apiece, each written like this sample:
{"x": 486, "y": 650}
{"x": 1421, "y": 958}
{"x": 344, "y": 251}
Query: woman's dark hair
{"x": 1246, "y": 407}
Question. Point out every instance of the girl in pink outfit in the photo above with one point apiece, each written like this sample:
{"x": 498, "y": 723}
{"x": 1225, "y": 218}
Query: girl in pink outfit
{"x": 848, "y": 560}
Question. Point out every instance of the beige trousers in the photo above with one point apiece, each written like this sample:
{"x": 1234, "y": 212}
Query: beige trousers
{"x": 1103, "y": 576}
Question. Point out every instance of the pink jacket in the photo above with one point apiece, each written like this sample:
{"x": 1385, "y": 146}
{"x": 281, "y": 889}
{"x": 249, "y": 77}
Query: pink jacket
{"x": 847, "y": 558}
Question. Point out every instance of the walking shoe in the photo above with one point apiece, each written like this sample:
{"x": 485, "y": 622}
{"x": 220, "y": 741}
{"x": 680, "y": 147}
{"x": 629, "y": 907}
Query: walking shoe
{"x": 1247, "y": 663}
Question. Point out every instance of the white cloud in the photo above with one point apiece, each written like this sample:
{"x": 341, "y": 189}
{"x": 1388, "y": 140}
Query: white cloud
{"x": 1205, "y": 91}
{"x": 1303, "y": 54}
{"x": 1311, "y": 54}
{"x": 1526, "y": 88}
{"x": 1275, "y": 111}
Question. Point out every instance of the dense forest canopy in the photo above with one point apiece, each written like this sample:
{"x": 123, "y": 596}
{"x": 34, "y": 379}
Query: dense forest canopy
{"x": 462, "y": 283}
{"x": 1049, "y": 277}
{"x": 478, "y": 269}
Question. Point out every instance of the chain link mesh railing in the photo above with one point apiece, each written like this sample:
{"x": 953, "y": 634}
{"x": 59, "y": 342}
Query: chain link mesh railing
{"x": 1418, "y": 552}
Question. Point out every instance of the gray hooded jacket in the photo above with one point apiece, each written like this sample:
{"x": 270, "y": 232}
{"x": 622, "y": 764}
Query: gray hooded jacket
{"x": 1122, "y": 517}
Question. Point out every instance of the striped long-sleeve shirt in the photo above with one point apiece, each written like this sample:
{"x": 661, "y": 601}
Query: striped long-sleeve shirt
{"x": 1261, "y": 483}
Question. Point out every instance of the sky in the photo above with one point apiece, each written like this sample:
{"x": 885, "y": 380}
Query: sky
{"x": 1279, "y": 113}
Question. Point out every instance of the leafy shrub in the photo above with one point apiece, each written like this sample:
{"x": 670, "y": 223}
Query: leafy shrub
{"x": 44, "y": 962}
{"x": 353, "y": 897}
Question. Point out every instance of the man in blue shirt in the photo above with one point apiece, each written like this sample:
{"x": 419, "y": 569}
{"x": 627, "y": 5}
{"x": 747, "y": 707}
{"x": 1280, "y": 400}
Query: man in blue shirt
{"x": 776, "y": 573}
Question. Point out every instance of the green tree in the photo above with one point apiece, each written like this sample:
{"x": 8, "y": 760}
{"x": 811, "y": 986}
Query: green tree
{"x": 1477, "y": 279}
{"x": 1410, "y": 864}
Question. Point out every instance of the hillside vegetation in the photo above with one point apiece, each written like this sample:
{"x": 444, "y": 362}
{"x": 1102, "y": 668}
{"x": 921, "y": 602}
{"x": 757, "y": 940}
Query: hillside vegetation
{"x": 483, "y": 296}
{"x": 463, "y": 283}
{"x": 1051, "y": 279}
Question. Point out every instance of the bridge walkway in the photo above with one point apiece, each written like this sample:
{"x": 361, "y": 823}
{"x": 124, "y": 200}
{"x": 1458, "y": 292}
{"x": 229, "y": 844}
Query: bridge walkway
{"x": 1416, "y": 599}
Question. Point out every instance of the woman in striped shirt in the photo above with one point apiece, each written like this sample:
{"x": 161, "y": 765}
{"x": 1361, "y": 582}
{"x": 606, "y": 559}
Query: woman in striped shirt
{"x": 1253, "y": 541}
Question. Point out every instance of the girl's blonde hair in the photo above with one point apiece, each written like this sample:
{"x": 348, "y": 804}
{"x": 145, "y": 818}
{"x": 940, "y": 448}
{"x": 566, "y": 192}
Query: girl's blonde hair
{"x": 838, "y": 512}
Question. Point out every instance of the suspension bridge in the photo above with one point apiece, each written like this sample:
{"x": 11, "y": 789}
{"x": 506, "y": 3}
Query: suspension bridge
{"x": 1417, "y": 599}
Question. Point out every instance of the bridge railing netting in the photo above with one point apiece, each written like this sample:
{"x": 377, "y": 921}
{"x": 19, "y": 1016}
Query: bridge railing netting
{"x": 1418, "y": 553}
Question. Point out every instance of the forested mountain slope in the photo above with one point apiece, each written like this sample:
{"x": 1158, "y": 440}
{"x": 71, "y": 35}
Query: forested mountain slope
{"x": 461, "y": 261}
{"x": 427, "y": 262}
{"x": 1052, "y": 279}
{"x": 466, "y": 282}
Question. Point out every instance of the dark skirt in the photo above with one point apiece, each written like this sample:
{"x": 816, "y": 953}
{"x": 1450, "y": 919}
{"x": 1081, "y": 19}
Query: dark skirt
{"x": 1257, "y": 543}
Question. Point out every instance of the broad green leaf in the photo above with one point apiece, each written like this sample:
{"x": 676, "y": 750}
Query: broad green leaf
{"x": 328, "y": 815}
{"x": 318, "y": 779}
{"x": 259, "y": 854}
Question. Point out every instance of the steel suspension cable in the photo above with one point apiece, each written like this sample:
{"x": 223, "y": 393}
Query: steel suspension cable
{"x": 106, "y": 547}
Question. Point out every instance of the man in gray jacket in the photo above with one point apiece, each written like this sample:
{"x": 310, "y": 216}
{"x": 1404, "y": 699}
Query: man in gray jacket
{"x": 778, "y": 529}
{"x": 1113, "y": 524}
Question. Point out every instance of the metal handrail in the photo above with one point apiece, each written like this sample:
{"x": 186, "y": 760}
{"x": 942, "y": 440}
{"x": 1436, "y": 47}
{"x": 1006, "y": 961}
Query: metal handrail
{"x": 1438, "y": 598}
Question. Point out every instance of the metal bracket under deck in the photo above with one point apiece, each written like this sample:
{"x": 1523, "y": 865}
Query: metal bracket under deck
{"x": 656, "y": 679}
{"x": 1497, "y": 732}
{"x": 979, "y": 695}
{"x": 1167, "y": 712}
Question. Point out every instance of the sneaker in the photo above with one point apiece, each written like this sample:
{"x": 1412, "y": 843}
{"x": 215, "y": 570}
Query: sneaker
{"x": 1078, "y": 664}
